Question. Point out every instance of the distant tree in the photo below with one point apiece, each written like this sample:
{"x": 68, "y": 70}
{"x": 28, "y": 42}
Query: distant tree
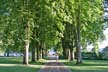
{"x": 105, "y": 53}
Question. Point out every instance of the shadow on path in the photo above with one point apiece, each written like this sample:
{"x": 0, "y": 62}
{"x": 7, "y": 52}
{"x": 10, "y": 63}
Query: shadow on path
{"x": 54, "y": 66}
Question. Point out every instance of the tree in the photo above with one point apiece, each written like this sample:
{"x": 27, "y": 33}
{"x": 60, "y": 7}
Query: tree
{"x": 74, "y": 23}
{"x": 105, "y": 53}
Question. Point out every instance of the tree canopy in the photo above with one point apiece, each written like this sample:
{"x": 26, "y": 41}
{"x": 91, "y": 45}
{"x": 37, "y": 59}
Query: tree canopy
{"x": 59, "y": 23}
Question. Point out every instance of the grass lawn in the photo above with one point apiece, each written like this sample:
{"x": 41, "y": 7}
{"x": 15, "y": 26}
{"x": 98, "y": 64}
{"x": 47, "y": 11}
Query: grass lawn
{"x": 88, "y": 66}
{"x": 14, "y": 64}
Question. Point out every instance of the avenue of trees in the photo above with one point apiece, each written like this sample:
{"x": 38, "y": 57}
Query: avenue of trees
{"x": 38, "y": 25}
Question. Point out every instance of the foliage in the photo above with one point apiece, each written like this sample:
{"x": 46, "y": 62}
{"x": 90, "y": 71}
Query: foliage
{"x": 105, "y": 53}
{"x": 78, "y": 22}
{"x": 89, "y": 55}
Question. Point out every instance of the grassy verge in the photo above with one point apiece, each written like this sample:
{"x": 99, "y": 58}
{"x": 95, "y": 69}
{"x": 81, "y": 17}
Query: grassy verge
{"x": 88, "y": 66}
{"x": 14, "y": 64}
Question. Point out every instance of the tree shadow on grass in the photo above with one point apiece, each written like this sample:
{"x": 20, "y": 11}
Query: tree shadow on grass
{"x": 17, "y": 60}
{"x": 18, "y": 68}
{"x": 91, "y": 63}
{"x": 10, "y": 60}
{"x": 88, "y": 66}
{"x": 84, "y": 64}
{"x": 14, "y": 64}
{"x": 37, "y": 63}
{"x": 90, "y": 70}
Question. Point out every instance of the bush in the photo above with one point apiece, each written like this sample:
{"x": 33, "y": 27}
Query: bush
{"x": 104, "y": 53}
{"x": 89, "y": 55}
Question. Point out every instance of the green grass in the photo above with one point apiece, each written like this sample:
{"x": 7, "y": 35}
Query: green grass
{"x": 14, "y": 64}
{"x": 88, "y": 66}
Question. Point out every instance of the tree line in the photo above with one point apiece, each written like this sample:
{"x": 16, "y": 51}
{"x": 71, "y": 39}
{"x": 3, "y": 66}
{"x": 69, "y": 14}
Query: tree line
{"x": 37, "y": 25}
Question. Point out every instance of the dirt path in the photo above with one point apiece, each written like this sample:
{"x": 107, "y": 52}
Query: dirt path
{"x": 53, "y": 66}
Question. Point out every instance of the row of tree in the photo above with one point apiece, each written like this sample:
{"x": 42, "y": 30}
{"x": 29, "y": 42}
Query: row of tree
{"x": 38, "y": 25}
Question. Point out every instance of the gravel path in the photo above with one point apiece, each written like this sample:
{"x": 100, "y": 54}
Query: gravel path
{"x": 54, "y": 66}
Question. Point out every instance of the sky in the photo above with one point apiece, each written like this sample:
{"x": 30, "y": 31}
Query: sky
{"x": 101, "y": 44}
{"x": 104, "y": 43}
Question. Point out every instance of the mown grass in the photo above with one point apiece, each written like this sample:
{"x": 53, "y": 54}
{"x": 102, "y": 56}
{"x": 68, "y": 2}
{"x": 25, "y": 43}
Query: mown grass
{"x": 88, "y": 66}
{"x": 14, "y": 64}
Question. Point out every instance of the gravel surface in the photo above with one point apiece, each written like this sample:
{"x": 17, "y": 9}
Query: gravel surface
{"x": 54, "y": 65}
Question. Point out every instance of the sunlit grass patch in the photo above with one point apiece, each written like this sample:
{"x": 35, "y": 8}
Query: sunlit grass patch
{"x": 88, "y": 66}
{"x": 14, "y": 64}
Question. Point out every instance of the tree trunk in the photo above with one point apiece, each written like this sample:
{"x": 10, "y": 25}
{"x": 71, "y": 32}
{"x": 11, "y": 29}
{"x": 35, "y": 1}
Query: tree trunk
{"x": 34, "y": 45}
{"x": 46, "y": 51}
{"x": 78, "y": 47}
{"x": 34, "y": 52}
{"x": 26, "y": 37}
{"x": 64, "y": 53}
{"x": 64, "y": 50}
{"x": 41, "y": 53}
{"x": 72, "y": 54}
{"x": 26, "y": 52}
{"x": 7, "y": 54}
{"x": 69, "y": 55}
{"x": 79, "y": 57}
{"x": 37, "y": 49}
{"x": 42, "y": 50}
